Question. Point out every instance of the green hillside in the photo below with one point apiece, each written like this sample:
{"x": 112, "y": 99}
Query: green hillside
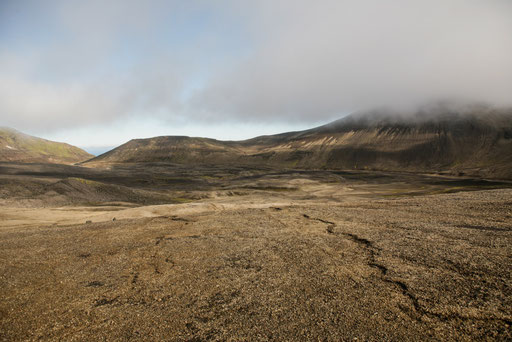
{"x": 19, "y": 147}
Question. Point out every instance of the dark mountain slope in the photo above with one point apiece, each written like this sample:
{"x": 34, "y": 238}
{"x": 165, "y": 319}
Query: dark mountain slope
{"x": 475, "y": 141}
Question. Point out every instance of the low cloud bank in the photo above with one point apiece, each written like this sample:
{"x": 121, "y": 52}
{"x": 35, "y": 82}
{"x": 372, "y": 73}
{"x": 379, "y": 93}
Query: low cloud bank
{"x": 262, "y": 61}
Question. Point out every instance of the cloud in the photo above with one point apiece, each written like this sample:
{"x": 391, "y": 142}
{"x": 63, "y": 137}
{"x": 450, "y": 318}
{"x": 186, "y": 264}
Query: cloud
{"x": 26, "y": 102}
{"x": 81, "y": 63}
{"x": 319, "y": 59}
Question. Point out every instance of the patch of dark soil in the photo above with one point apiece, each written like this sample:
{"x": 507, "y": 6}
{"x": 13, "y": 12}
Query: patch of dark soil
{"x": 479, "y": 183}
{"x": 94, "y": 283}
{"x": 105, "y": 301}
{"x": 479, "y": 227}
{"x": 176, "y": 218}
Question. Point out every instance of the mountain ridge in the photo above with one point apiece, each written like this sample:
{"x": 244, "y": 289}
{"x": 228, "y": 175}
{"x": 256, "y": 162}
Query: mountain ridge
{"x": 476, "y": 141}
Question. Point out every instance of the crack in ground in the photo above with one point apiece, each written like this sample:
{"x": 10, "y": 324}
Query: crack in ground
{"x": 330, "y": 225}
{"x": 419, "y": 310}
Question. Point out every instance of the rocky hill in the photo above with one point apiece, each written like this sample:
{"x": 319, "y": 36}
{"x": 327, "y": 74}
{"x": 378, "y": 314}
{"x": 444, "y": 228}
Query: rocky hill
{"x": 474, "y": 141}
{"x": 19, "y": 147}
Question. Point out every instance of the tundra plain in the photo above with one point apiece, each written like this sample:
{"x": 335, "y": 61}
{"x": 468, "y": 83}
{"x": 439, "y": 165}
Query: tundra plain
{"x": 160, "y": 251}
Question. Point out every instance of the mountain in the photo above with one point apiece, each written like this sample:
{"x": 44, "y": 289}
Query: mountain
{"x": 173, "y": 149}
{"x": 474, "y": 140}
{"x": 19, "y": 147}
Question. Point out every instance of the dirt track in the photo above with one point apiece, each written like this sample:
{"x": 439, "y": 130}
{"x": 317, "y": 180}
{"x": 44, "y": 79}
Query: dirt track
{"x": 428, "y": 267}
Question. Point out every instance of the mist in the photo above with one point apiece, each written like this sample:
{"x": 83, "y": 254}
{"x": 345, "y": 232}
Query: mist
{"x": 75, "y": 63}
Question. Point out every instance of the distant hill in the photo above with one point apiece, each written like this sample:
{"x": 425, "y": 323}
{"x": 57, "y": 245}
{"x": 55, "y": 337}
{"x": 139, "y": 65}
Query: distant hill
{"x": 173, "y": 149}
{"x": 475, "y": 141}
{"x": 19, "y": 147}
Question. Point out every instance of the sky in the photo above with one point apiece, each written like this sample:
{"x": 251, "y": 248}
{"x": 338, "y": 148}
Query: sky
{"x": 99, "y": 73}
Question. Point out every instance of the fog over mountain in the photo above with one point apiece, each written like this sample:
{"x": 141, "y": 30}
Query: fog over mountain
{"x": 67, "y": 63}
{"x": 473, "y": 140}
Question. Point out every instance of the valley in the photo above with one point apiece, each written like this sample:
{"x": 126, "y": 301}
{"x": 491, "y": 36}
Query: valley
{"x": 188, "y": 171}
{"x": 216, "y": 253}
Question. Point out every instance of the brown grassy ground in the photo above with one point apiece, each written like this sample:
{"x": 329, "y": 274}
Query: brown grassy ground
{"x": 334, "y": 260}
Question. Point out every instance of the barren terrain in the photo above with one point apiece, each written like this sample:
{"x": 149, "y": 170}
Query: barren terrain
{"x": 166, "y": 252}
{"x": 474, "y": 142}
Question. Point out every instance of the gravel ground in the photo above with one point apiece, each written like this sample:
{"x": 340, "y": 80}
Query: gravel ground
{"x": 434, "y": 267}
